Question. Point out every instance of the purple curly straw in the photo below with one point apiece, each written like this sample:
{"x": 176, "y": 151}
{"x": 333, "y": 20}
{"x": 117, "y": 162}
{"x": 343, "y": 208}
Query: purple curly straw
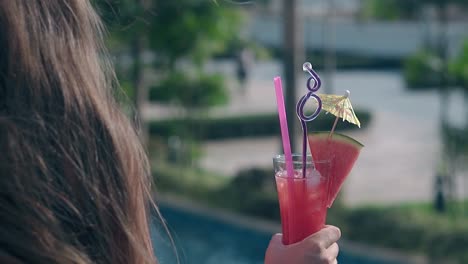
{"x": 300, "y": 108}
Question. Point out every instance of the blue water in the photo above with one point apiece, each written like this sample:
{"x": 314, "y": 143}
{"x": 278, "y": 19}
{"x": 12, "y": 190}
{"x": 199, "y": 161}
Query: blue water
{"x": 203, "y": 240}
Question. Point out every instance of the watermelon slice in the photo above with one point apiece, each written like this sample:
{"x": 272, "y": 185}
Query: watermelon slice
{"x": 342, "y": 151}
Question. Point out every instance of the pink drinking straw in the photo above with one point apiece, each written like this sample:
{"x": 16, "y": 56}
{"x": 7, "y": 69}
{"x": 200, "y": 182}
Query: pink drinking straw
{"x": 287, "y": 150}
{"x": 284, "y": 127}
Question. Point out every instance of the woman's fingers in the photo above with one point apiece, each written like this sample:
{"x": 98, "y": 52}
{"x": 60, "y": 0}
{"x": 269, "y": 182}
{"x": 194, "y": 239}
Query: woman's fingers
{"x": 325, "y": 256}
{"x": 322, "y": 247}
{"x": 326, "y": 237}
{"x": 319, "y": 248}
{"x": 278, "y": 237}
{"x": 333, "y": 251}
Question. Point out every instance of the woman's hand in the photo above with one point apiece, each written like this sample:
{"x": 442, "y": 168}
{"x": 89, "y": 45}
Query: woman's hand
{"x": 319, "y": 248}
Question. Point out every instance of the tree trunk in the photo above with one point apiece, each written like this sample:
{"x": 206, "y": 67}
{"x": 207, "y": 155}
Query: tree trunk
{"x": 140, "y": 91}
{"x": 329, "y": 58}
{"x": 442, "y": 51}
{"x": 292, "y": 56}
{"x": 465, "y": 96}
{"x": 444, "y": 94}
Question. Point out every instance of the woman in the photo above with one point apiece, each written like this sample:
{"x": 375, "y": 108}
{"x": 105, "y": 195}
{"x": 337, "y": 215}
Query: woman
{"x": 75, "y": 181}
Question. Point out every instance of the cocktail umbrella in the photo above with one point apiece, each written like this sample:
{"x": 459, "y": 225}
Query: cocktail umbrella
{"x": 339, "y": 106}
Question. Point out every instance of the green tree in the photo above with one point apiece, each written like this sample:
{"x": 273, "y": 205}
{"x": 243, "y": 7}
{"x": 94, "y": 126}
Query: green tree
{"x": 435, "y": 62}
{"x": 191, "y": 30}
{"x": 421, "y": 70}
{"x": 184, "y": 36}
{"x": 401, "y": 9}
{"x": 459, "y": 69}
{"x": 390, "y": 9}
{"x": 128, "y": 26}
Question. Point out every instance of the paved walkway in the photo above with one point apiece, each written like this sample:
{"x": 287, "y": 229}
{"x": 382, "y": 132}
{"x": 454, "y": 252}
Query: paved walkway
{"x": 401, "y": 144}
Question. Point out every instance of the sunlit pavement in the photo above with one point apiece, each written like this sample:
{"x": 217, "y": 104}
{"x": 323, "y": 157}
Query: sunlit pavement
{"x": 402, "y": 145}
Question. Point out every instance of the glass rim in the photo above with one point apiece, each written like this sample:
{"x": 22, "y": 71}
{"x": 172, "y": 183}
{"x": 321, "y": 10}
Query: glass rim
{"x": 297, "y": 159}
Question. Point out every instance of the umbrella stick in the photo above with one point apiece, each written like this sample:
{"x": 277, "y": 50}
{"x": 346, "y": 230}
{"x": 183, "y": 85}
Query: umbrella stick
{"x": 333, "y": 128}
{"x": 336, "y": 119}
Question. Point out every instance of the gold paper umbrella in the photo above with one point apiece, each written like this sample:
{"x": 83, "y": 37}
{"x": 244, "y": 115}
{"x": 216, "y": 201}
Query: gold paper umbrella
{"x": 339, "y": 106}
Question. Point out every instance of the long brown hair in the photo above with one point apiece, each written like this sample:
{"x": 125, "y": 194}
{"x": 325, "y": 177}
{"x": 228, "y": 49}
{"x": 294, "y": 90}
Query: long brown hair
{"x": 74, "y": 178}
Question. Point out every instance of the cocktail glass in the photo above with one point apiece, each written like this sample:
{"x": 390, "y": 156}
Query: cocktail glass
{"x": 303, "y": 206}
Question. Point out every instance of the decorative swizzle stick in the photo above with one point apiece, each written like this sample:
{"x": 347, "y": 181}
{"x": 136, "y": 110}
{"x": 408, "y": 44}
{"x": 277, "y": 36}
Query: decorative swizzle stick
{"x": 312, "y": 88}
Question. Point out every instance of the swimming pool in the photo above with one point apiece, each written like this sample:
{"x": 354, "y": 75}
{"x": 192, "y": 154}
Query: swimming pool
{"x": 201, "y": 239}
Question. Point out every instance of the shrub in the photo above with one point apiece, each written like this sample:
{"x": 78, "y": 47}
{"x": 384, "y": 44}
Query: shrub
{"x": 252, "y": 192}
{"x": 409, "y": 230}
{"x": 245, "y": 126}
{"x": 448, "y": 244}
{"x": 192, "y": 93}
{"x": 254, "y": 179}
{"x": 386, "y": 228}
{"x": 189, "y": 182}
{"x": 459, "y": 67}
{"x": 421, "y": 71}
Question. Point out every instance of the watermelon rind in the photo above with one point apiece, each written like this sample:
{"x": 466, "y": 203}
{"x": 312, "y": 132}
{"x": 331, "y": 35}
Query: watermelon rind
{"x": 338, "y": 136}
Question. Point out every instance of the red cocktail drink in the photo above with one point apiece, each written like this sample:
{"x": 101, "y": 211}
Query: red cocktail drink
{"x": 302, "y": 200}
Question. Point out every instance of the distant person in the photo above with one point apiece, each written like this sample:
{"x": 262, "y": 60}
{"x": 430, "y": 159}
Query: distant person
{"x": 243, "y": 63}
{"x": 75, "y": 180}
{"x": 439, "y": 201}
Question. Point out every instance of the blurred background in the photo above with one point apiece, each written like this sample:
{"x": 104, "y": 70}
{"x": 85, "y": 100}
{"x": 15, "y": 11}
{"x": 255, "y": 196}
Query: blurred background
{"x": 199, "y": 74}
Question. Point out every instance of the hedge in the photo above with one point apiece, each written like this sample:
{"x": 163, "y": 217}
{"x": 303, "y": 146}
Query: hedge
{"x": 260, "y": 125}
{"x": 437, "y": 236}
